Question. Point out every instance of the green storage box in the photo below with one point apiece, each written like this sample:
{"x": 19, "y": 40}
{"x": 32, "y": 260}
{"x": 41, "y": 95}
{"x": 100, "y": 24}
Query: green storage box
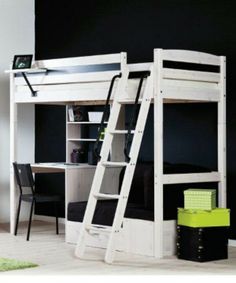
{"x": 200, "y": 199}
{"x": 204, "y": 218}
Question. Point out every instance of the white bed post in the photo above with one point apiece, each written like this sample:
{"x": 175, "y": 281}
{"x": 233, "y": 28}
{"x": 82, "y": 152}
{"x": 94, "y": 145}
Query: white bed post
{"x": 13, "y": 133}
{"x": 158, "y": 155}
{"x": 222, "y": 134}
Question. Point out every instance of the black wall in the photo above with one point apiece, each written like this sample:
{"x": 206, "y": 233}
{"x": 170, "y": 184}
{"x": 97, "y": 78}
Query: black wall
{"x": 76, "y": 28}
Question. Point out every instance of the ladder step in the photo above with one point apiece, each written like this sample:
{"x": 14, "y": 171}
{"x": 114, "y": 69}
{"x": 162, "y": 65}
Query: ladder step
{"x": 106, "y": 196}
{"x": 128, "y": 101}
{"x": 121, "y": 132}
{"x": 114, "y": 164}
{"x": 99, "y": 228}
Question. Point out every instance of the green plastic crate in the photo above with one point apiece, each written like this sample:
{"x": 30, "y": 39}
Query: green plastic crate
{"x": 199, "y": 199}
{"x": 204, "y": 218}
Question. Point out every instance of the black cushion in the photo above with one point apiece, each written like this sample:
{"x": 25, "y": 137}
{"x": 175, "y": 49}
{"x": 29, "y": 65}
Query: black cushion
{"x": 105, "y": 211}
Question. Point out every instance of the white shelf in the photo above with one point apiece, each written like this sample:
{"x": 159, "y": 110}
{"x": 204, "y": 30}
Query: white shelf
{"x": 85, "y": 123}
{"x": 32, "y": 70}
{"x": 84, "y": 140}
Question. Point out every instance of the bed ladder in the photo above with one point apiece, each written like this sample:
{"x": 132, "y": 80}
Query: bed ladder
{"x": 130, "y": 164}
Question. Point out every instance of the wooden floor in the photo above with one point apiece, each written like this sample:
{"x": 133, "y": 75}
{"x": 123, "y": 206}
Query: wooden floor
{"x": 55, "y": 257}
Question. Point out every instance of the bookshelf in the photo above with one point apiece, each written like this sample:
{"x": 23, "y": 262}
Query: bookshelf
{"x": 80, "y": 134}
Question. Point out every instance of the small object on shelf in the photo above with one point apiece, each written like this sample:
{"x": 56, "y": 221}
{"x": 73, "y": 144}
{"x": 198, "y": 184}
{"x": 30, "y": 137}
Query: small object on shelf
{"x": 80, "y": 114}
{"x": 95, "y": 116}
{"x": 71, "y": 117}
{"x": 76, "y": 114}
{"x": 92, "y": 158}
{"x": 102, "y": 134}
{"x": 202, "y": 244}
{"x": 22, "y": 62}
{"x": 200, "y": 199}
{"x": 78, "y": 156}
{"x": 204, "y": 218}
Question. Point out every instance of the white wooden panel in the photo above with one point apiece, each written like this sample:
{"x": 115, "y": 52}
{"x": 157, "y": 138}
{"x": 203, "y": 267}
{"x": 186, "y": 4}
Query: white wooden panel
{"x": 135, "y": 237}
{"x": 140, "y": 67}
{"x": 190, "y": 57}
{"x": 78, "y": 184}
{"x": 44, "y": 79}
{"x": 190, "y": 75}
{"x": 81, "y": 61}
{"x": 191, "y": 178}
{"x": 188, "y": 93}
{"x": 158, "y": 156}
{"x": 222, "y": 135}
{"x": 63, "y": 96}
{"x": 13, "y": 154}
{"x": 65, "y": 87}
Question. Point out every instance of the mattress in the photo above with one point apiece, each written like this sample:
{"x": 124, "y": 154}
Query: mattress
{"x": 105, "y": 211}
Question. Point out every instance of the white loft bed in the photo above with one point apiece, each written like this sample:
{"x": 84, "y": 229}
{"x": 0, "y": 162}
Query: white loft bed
{"x": 59, "y": 82}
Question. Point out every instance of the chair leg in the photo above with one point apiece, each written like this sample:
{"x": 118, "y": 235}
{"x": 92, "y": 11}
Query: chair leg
{"x": 56, "y": 214}
{"x": 30, "y": 219}
{"x": 17, "y": 216}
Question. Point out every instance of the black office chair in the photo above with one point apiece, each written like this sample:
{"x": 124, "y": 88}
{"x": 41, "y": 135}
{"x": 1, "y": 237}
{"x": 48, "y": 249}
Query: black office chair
{"x": 24, "y": 178}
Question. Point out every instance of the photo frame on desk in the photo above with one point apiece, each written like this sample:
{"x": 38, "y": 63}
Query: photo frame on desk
{"x": 22, "y": 62}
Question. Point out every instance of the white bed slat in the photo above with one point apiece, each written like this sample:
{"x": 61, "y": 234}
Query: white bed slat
{"x": 190, "y": 57}
{"x": 140, "y": 67}
{"x": 81, "y": 61}
{"x": 190, "y": 75}
{"x": 61, "y": 96}
{"x": 68, "y": 78}
{"x": 191, "y": 178}
{"x": 188, "y": 93}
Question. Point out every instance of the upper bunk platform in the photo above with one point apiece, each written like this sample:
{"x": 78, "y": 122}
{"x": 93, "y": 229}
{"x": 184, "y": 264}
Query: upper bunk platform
{"x": 185, "y": 77}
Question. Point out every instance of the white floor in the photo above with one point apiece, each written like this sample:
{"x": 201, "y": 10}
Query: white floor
{"x": 55, "y": 257}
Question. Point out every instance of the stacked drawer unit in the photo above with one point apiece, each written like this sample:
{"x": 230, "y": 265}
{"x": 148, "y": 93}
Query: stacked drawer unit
{"x": 202, "y": 234}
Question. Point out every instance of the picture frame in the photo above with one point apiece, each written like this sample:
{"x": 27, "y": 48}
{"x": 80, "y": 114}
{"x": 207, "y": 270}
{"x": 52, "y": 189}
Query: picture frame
{"x": 22, "y": 62}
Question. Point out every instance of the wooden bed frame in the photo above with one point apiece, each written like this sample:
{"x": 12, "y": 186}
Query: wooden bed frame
{"x": 67, "y": 82}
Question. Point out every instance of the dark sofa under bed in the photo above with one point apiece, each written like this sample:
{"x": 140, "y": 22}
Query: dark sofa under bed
{"x": 141, "y": 198}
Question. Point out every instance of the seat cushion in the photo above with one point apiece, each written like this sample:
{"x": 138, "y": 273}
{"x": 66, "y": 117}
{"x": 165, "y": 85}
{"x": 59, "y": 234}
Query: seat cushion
{"x": 105, "y": 211}
{"x": 41, "y": 198}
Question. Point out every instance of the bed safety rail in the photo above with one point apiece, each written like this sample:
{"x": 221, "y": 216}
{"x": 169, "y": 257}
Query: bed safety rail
{"x": 105, "y": 115}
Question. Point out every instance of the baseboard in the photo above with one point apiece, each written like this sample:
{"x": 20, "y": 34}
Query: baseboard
{"x": 232, "y": 243}
{"x": 48, "y": 218}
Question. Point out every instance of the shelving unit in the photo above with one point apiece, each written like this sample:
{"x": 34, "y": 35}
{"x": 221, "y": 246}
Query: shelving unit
{"x": 78, "y": 136}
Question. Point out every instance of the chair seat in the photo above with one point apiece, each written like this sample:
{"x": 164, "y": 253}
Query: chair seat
{"x": 41, "y": 198}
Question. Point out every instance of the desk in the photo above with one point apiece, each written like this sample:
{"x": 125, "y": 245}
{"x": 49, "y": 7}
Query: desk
{"x": 78, "y": 180}
{"x": 57, "y": 167}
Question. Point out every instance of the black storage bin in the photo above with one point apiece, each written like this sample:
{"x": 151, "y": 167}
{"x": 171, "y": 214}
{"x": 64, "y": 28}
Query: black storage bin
{"x": 202, "y": 244}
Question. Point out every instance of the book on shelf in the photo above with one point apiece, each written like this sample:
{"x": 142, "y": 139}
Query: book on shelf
{"x": 71, "y": 116}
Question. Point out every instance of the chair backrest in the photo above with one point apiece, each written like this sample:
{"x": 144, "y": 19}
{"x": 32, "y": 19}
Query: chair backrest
{"x": 24, "y": 176}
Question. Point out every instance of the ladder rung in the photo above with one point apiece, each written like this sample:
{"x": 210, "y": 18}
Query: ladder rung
{"x": 128, "y": 101}
{"x": 99, "y": 228}
{"x": 121, "y": 132}
{"x": 110, "y": 163}
{"x": 106, "y": 196}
